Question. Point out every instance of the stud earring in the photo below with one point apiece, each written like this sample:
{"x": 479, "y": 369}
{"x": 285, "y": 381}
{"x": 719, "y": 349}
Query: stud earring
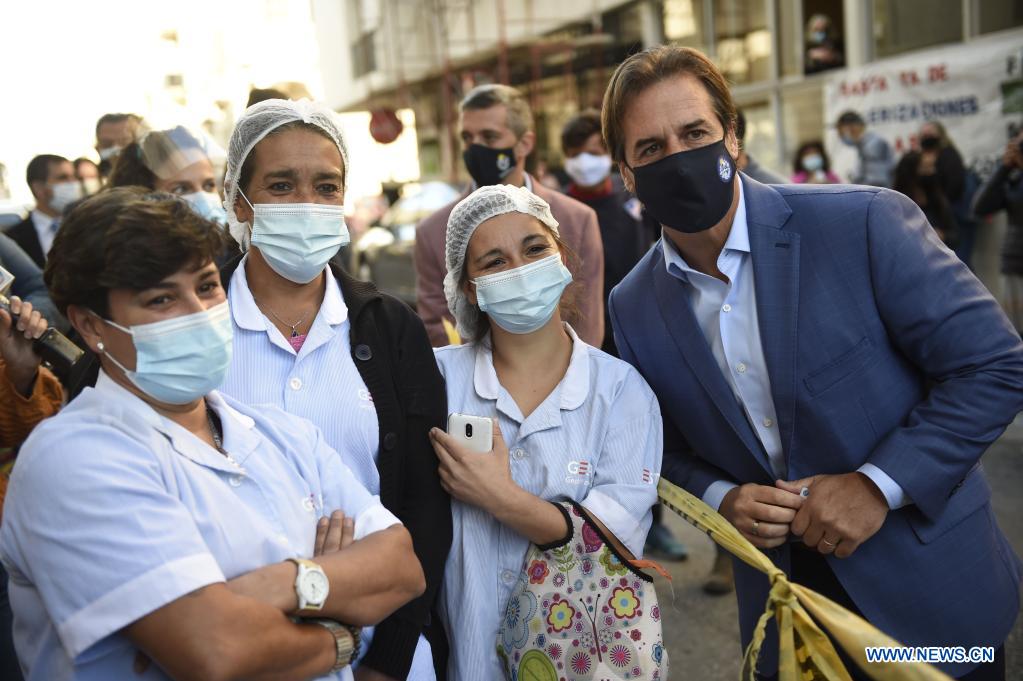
{"x": 100, "y": 346}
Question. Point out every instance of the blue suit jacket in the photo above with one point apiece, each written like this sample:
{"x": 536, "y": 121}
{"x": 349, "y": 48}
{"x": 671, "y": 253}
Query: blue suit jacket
{"x": 882, "y": 347}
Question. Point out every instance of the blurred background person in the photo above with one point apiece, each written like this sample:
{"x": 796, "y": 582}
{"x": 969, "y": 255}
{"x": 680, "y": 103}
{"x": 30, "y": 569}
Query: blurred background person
{"x": 313, "y": 341}
{"x": 917, "y": 178}
{"x": 747, "y": 163}
{"x": 812, "y": 165}
{"x": 1004, "y": 191}
{"x": 876, "y": 159}
{"x": 619, "y": 213}
{"x": 115, "y": 131}
{"x": 261, "y": 94}
{"x": 957, "y": 183}
{"x": 824, "y": 48}
{"x": 87, "y": 173}
{"x": 54, "y": 187}
{"x": 498, "y": 136}
{"x": 173, "y": 161}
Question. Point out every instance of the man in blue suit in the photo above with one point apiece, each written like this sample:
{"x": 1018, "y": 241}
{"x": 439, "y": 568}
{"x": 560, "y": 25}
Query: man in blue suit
{"x": 817, "y": 337}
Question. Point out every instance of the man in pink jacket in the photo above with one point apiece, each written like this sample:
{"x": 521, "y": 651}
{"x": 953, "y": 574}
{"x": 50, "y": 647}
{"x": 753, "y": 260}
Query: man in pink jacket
{"x": 497, "y": 133}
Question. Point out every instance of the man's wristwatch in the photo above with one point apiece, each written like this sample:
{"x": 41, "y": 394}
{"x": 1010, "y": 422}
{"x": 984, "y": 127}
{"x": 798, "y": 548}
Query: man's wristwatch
{"x": 346, "y": 641}
{"x": 311, "y": 585}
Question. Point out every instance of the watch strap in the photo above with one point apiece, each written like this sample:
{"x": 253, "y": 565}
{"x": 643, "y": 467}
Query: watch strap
{"x": 346, "y": 641}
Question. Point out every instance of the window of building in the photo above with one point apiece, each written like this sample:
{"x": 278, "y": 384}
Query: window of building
{"x": 742, "y": 40}
{"x": 997, "y": 15}
{"x": 760, "y": 142}
{"x": 802, "y": 111}
{"x": 684, "y": 23}
{"x": 904, "y": 25}
{"x": 823, "y": 38}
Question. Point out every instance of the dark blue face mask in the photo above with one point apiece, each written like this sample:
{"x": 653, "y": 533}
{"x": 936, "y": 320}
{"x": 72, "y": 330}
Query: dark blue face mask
{"x": 488, "y": 166}
{"x": 689, "y": 191}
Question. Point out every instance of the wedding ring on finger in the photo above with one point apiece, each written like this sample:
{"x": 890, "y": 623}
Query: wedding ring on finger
{"x": 831, "y": 545}
{"x": 756, "y": 525}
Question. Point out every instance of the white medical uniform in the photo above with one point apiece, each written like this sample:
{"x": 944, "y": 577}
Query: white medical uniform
{"x": 115, "y": 511}
{"x": 596, "y": 439}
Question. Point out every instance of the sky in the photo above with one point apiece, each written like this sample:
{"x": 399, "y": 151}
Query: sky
{"x": 64, "y": 63}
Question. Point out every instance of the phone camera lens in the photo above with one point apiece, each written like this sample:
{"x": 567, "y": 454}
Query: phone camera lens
{"x": 468, "y": 430}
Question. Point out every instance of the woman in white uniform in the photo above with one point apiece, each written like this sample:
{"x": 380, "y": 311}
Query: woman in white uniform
{"x": 157, "y": 529}
{"x": 572, "y": 423}
{"x": 315, "y": 342}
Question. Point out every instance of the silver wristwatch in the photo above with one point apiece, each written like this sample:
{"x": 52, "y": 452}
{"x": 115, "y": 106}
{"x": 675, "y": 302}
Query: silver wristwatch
{"x": 346, "y": 641}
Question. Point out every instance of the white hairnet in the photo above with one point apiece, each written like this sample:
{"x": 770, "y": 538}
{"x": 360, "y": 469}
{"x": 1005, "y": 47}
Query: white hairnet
{"x": 472, "y": 211}
{"x": 257, "y": 122}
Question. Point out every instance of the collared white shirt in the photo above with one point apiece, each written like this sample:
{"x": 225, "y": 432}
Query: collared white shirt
{"x": 320, "y": 382}
{"x": 596, "y": 439}
{"x": 46, "y": 229}
{"x": 727, "y": 315}
{"x": 115, "y": 511}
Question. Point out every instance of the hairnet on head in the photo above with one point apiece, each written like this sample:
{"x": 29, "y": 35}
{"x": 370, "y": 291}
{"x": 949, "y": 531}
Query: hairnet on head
{"x": 168, "y": 152}
{"x": 471, "y": 212}
{"x": 258, "y": 121}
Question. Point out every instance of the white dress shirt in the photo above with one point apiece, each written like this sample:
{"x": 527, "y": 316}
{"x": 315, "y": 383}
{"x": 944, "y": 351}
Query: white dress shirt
{"x": 114, "y": 511}
{"x": 596, "y": 439}
{"x": 727, "y": 315}
{"x": 46, "y": 229}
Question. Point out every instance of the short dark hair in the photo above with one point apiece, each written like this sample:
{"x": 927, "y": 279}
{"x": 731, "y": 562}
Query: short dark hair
{"x": 850, "y": 118}
{"x": 130, "y": 170}
{"x": 257, "y": 95}
{"x": 520, "y": 116}
{"x": 39, "y": 167}
{"x": 125, "y": 238}
{"x": 114, "y": 118}
{"x": 651, "y": 66}
{"x": 740, "y": 126}
{"x": 580, "y": 128}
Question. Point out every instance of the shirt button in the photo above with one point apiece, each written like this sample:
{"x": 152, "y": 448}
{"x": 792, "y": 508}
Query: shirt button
{"x": 726, "y": 308}
{"x": 507, "y": 576}
{"x": 519, "y": 454}
{"x": 768, "y": 423}
{"x": 295, "y": 383}
{"x": 740, "y": 367}
{"x": 282, "y": 539}
{"x": 235, "y": 481}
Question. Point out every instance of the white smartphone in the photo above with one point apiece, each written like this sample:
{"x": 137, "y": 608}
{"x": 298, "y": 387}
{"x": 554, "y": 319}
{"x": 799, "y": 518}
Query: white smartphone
{"x": 475, "y": 432}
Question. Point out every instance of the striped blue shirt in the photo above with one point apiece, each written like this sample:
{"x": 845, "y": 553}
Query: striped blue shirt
{"x": 596, "y": 439}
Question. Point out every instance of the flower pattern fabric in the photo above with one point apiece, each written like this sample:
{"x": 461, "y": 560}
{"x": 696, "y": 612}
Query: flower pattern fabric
{"x": 584, "y": 611}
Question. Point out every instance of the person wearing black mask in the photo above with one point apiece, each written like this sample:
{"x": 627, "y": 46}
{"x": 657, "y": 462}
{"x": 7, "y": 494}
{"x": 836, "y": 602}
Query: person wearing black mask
{"x": 956, "y": 182}
{"x": 497, "y": 135}
{"x": 826, "y": 371}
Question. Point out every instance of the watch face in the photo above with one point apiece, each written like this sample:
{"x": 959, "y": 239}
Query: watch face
{"x": 316, "y": 586}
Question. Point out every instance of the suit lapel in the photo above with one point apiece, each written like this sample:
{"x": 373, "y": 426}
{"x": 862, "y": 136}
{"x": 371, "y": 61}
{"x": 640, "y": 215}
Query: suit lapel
{"x": 775, "y": 254}
{"x": 678, "y": 316}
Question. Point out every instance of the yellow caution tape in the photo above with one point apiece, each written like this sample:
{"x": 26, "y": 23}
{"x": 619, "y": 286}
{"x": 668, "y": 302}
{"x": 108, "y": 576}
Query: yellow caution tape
{"x": 805, "y": 651}
{"x": 449, "y": 329}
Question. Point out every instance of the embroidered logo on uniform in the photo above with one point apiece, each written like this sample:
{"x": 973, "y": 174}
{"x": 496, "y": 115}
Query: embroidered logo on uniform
{"x": 503, "y": 162}
{"x": 648, "y": 478}
{"x": 724, "y": 168}
{"x": 309, "y": 502}
{"x": 578, "y": 472}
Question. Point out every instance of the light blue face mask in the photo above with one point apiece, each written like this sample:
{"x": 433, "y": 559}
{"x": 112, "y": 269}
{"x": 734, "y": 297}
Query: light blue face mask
{"x": 523, "y": 299}
{"x": 208, "y": 205}
{"x": 298, "y": 239}
{"x": 182, "y": 359}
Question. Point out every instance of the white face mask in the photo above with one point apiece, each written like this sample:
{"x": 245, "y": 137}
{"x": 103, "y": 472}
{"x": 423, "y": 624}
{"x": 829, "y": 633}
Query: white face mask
{"x": 64, "y": 194}
{"x": 587, "y": 170}
{"x": 297, "y": 240}
{"x": 91, "y": 185}
{"x": 208, "y": 205}
{"x": 109, "y": 153}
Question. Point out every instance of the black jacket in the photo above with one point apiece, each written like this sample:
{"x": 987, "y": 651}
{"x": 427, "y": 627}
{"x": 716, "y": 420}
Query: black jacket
{"x": 24, "y": 233}
{"x": 393, "y": 355}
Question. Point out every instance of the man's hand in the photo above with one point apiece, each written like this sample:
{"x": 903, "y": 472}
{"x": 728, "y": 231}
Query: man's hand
{"x": 16, "y": 344}
{"x": 761, "y": 513}
{"x": 840, "y": 513}
{"x": 333, "y": 533}
{"x": 478, "y": 479}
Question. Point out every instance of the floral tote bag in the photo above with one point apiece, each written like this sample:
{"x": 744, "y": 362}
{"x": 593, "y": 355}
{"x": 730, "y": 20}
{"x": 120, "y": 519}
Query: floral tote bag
{"x": 581, "y": 612}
